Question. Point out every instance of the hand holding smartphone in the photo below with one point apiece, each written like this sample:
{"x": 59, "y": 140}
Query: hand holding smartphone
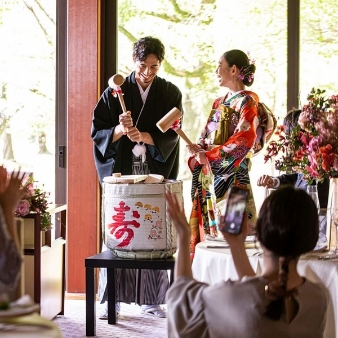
{"x": 235, "y": 210}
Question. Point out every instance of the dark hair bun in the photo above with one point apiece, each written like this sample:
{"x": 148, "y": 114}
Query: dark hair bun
{"x": 288, "y": 222}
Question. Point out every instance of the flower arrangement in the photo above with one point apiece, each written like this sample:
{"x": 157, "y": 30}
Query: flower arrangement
{"x": 311, "y": 146}
{"x": 34, "y": 200}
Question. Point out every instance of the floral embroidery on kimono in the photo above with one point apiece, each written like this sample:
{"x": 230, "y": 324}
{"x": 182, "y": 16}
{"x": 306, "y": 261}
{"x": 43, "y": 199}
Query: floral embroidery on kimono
{"x": 227, "y": 137}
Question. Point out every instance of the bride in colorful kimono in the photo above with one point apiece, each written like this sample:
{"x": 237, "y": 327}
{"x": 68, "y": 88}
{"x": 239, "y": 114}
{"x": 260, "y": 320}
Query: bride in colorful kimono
{"x": 221, "y": 157}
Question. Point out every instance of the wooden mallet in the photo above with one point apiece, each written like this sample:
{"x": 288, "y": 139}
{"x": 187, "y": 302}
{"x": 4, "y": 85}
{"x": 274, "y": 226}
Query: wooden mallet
{"x": 168, "y": 121}
{"x": 115, "y": 82}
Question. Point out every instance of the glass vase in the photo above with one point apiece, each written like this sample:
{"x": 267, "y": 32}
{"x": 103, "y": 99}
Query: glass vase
{"x": 313, "y": 192}
{"x": 332, "y": 220}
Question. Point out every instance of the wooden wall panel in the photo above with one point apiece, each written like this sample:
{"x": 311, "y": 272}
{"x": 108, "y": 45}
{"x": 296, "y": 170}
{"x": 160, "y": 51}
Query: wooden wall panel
{"x": 82, "y": 181}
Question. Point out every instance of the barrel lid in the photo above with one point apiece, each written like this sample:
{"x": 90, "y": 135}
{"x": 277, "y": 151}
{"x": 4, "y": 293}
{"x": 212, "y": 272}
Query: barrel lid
{"x": 125, "y": 179}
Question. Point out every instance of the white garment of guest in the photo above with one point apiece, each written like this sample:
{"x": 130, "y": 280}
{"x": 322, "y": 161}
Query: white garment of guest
{"x": 236, "y": 309}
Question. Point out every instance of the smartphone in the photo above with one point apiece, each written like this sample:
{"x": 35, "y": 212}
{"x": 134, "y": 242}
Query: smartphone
{"x": 235, "y": 209}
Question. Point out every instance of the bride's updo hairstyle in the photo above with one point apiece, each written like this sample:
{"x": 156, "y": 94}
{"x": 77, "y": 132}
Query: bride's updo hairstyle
{"x": 288, "y": 227}
{"x": 246, "y": 66}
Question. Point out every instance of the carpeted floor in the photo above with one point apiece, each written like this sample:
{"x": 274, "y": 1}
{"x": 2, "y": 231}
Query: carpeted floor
{"x": 131, "y": 323}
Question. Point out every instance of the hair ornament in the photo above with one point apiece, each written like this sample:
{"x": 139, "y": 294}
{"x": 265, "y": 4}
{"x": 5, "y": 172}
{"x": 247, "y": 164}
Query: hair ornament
{"x": 247, "y": 70}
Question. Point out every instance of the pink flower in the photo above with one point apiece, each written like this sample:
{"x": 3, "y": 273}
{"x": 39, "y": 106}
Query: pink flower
{"x": 314, "y": 144}
{"x": 30, "y": 191}
{"x": 312, "y": 159}
{"x": 311, "y": 148}
{"x": 34, "y": 200}
{"x": 303, "y": 120}
{"x": 23, "y": 208}
{"x": 303, "y": 139}
{"x": 312, "y": 171}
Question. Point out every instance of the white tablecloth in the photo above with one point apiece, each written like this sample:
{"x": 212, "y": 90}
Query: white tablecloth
{"x": 212, "y": 265}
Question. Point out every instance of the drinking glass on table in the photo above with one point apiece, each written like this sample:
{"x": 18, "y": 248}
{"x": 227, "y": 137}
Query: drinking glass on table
{"x": 313, "y": 192}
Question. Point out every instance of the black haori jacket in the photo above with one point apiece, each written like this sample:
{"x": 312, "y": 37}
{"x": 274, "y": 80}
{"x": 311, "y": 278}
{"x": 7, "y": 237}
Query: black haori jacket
{"x": 163, "y": 156}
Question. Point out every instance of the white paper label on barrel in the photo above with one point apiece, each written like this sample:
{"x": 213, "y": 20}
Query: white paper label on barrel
{"x": 134, "y": 216}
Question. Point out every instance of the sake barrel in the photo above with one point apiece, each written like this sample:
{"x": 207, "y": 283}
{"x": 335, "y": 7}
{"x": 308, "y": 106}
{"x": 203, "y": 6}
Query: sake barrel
{"x": 134, "y": 219}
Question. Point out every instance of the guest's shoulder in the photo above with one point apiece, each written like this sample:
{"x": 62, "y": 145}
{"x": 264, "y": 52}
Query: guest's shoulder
{"x": 313, "y": 287}
{"x": 239, "y": 287}
{"x": 184, "y": 285}
{"x": 310, "y": 292}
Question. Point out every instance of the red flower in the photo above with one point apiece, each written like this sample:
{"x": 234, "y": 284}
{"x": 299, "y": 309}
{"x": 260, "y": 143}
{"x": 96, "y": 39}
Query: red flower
{"x": 327, "y": 157}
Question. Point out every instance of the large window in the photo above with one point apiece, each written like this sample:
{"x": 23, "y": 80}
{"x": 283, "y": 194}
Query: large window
{"x": 27, "y": 82}
{"x": 318, "y": 47}
{"x": 196, "y": 34}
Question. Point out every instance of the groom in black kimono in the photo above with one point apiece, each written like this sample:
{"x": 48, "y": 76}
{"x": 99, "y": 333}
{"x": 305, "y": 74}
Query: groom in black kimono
{"x": 131, "y": 143}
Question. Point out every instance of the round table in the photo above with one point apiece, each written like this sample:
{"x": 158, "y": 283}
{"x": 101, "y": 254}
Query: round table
{"x": 213, "y": 263}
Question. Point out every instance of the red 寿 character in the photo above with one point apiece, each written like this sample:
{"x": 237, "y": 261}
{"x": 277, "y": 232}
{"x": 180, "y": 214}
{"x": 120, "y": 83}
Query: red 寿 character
{"x": 119, "y": 228}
